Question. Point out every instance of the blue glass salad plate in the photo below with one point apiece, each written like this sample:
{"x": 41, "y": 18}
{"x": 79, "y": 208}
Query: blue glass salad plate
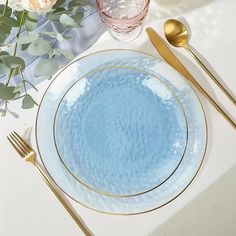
{"x": 121, "y": 132}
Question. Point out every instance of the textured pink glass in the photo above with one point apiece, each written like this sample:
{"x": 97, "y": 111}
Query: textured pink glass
{"x": 123, "y": 16}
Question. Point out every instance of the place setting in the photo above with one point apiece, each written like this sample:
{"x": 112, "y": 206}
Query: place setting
{"x": 118, "y": 131}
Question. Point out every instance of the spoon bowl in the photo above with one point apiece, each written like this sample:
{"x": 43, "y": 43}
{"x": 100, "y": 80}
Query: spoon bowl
{"x": 176, "y": 33}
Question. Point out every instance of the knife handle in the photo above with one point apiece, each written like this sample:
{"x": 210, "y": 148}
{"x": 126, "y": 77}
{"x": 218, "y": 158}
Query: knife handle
{"x": 209, "y": 98}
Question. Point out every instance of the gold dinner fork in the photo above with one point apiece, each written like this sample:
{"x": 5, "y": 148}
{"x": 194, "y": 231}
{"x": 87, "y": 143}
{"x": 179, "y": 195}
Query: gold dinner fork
{"x": 28, "y": 154}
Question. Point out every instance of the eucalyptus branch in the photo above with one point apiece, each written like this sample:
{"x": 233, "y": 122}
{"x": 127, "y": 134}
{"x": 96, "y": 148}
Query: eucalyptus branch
{"x": 5, "y": 109}
{"x": 23, "y": 80}
{"x": 26, "y": 28}
{"x": 16, "y": 45}
{"x": 19, "y": 31}
{"x": 66, "y": 13}
{"x": 5, "y": 8}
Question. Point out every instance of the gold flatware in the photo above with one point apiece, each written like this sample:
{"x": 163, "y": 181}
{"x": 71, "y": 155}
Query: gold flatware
{"x": 28, "y": 154}
{"x": 172, "y": 60}
{"x": 177, "y": 35}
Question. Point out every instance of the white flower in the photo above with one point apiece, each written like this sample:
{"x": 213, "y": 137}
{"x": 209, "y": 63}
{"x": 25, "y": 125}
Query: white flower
{"x": 40, "y": 6}
{"x": 14, "y": 4}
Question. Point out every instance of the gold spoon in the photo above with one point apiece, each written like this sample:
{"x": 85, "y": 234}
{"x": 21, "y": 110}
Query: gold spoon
{"x": 177, "y": 35}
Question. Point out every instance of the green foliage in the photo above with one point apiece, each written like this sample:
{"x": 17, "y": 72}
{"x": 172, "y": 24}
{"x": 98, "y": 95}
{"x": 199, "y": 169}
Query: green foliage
{"x": 39, "y": 47}
{"x": 55, "y": 15}
{"x": 3, "y": 69}
{"x": 56, "y": 35}
{"x": 6, "y": 92}
{"x": 30, "y": 26}
{"x": 10, "y": 21}
{"x": 5, "y": 30}
{"x": 62, "y": 52}
{"x": 66, "y": 14}
{"x": 12, "y": 62}
{"x": 27, "y": 39}
{"x": 58, "y": 4}
{"x": 8, "y": 10}
{"x": 27, "y": 102}
{"x": 45, "y": 67}
{"x": 68, "y": 21}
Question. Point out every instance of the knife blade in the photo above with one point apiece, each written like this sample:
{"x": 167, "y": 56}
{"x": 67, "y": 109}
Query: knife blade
{"x": 172, "y": 60}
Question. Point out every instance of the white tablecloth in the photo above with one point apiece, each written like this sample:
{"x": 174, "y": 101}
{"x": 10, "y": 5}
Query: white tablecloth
{"x": 207, "y": 207}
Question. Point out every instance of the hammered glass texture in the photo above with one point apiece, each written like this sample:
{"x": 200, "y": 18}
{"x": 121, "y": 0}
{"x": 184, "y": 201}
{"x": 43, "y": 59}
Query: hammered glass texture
{"x": 197, "y": 136}
{"x": 120, "y": 131}
{"x": 123, "y": 16}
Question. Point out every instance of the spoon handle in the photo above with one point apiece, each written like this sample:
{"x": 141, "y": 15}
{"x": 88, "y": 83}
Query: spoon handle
{"x": 172, "y": 60}
{"x": 211, "y": 75}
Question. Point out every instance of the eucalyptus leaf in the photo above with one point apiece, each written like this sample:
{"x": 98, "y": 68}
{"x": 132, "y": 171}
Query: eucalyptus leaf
{"x": 66, "y": 36}
{"x": 31, "y": 17}
{"x": 7, "y": 20}
{"x": 30, "y": 26}
{"x": 8, "y": 11}
{"x": 3, "y": 69}
{"x": 27, "y": 102}
{"x": 7, "y": 93}
{"x": 13, "y": 62}
{"x": 19, "y": 15}
{"x": 75, "y": 3}
{"x": 39, "y": 47}
{"x": 3, "y": 37}
{"x": 55, "y": 15}
{"x": 5, "y": 28}
{"x": 85, "y": 2}
{"x": 3, "y": 53}
{"x": 78, "y": 17}
{"x": 56, "y": 35}
{"x": 24, "y": 46}
{"x": 58, "y": 4}
{"x": 45, "y": 67}
{"x": 68, "y": 21}
{"x": 27, "y": 38}
{"x": 62, "y": 52}
{"x": 50, "y": 34}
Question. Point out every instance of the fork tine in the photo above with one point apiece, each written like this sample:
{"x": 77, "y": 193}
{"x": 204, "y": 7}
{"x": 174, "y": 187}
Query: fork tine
{"x": 19, "y": 145}
{"x": 15, "y": 146}
{"x": 21, "y": 142}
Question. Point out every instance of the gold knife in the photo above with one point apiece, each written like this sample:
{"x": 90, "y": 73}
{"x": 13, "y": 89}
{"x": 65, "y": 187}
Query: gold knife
{"x": 171, "y": 59}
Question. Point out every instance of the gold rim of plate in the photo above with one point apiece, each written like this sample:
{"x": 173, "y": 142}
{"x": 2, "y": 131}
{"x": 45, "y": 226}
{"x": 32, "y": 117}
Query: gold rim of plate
{"x": 112, "y": 213}
{"x": 98, "y": 190}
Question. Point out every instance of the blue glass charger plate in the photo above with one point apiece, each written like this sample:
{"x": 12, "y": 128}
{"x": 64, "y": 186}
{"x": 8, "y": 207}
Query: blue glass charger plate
{"x": 170, "y": 183}
{"x": 120, "y": 131}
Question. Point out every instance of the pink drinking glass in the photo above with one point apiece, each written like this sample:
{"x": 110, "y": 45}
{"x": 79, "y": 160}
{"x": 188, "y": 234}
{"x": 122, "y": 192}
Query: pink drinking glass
{"x": 123, "y": 18}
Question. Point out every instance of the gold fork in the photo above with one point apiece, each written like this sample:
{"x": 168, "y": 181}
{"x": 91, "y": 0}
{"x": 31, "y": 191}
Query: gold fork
{"x": 28, "y": 154}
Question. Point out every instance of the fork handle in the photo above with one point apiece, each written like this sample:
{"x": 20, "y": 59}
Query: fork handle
{"x": 63, "y": 201}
